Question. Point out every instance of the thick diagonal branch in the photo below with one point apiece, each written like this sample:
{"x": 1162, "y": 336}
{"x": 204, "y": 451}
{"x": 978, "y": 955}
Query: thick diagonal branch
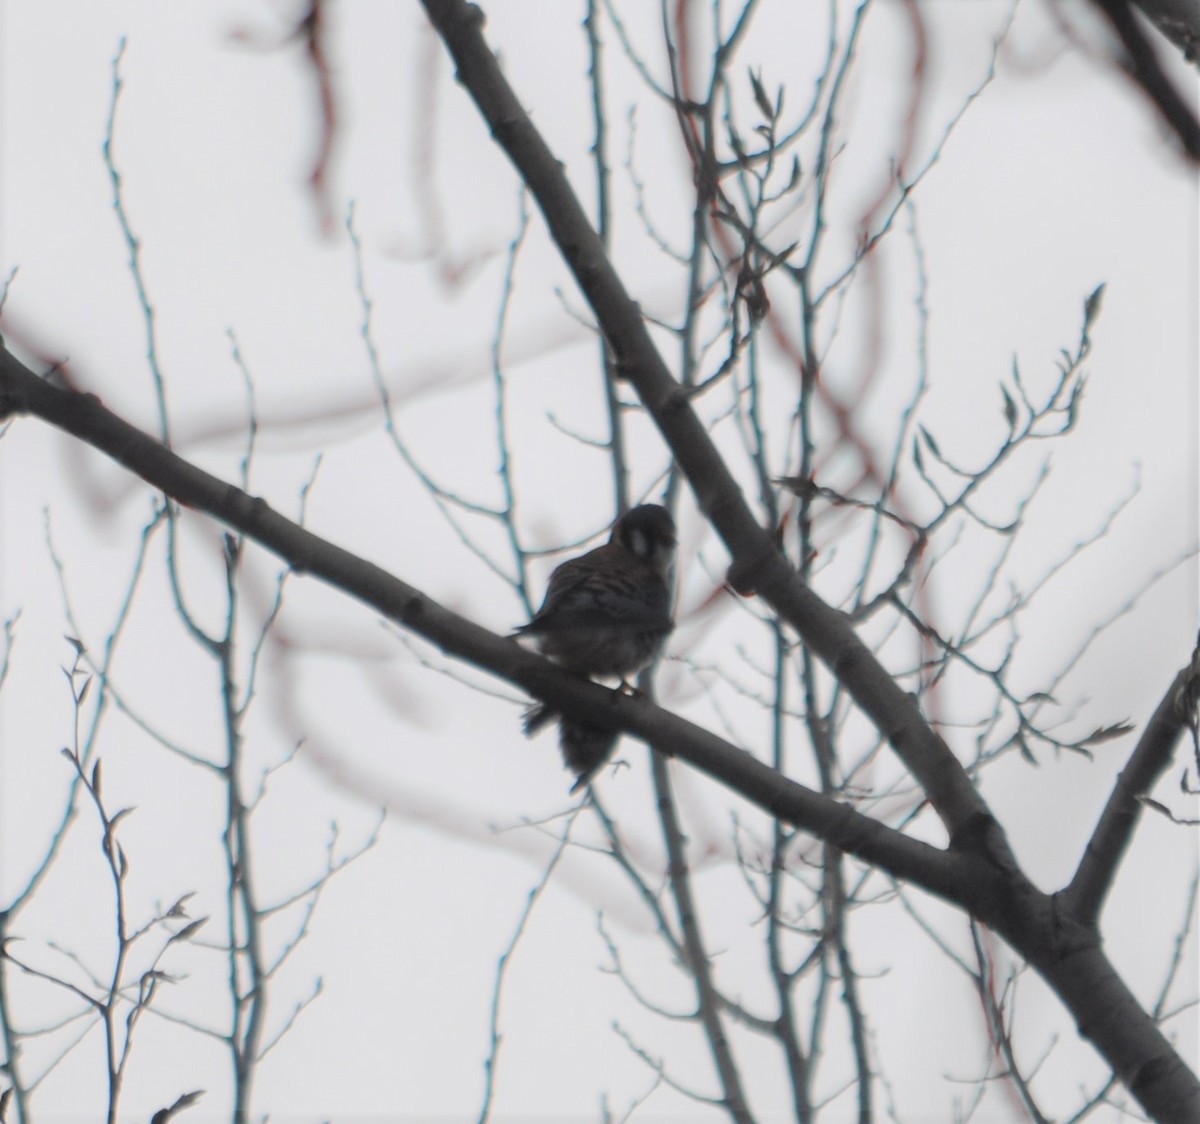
{"x": 83, "y": 415}
{"x": 1084, "y": 897}
{"x": 758, "y": 564}
{"x": 1068, "y": 955}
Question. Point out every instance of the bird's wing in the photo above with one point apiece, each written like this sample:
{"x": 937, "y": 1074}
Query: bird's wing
{"x": 599, "y": 620}
{"x": 585, "y": 596}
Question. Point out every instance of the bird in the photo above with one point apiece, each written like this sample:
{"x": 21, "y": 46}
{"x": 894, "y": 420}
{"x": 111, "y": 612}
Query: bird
{"x": 606, "y": 613}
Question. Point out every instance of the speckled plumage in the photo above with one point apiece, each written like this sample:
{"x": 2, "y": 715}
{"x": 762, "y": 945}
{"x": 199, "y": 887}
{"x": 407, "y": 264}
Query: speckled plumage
{"x": 606, "y": 613}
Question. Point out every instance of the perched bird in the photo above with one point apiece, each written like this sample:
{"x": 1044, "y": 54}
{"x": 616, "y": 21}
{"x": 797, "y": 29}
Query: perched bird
{"x": 607, "y": 613}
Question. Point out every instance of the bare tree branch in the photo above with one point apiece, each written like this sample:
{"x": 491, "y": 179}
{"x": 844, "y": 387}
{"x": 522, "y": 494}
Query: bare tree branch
{"x": 1084, "y": 897}
{"x": 1179, "y": 21}
{"x": 758, "y": 567}
{"x": 1147, "y": 71}
{"x": 21, "y": 391}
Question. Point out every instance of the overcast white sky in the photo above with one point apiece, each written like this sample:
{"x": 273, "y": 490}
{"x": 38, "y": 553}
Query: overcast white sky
{"x": 1058, "y": 178}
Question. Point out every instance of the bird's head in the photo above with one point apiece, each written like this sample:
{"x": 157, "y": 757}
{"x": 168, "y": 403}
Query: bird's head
{"x": 648, "y": 533}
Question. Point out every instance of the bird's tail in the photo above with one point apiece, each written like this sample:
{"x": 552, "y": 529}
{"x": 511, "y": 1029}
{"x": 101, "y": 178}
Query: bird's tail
{"x": 536, "y": 718}
{"x": 584, "y": 748}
